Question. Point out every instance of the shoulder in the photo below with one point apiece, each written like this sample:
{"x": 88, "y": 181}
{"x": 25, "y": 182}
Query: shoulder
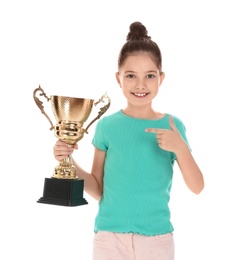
{"x": 107, "y": 121}
{"x": 177, "y": 119}
{"x": 178, "y": 122}
{"x": 110, "y": 118}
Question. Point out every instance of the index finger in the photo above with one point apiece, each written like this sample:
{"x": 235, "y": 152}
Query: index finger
{"x": 154, "y": 130}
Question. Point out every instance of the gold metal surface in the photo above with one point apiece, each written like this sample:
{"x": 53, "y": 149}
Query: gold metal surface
{"x": 70, "y": 113}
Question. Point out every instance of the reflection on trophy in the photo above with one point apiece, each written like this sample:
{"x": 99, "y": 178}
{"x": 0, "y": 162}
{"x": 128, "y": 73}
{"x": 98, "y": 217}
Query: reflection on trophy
{"x": 64, "y": 188}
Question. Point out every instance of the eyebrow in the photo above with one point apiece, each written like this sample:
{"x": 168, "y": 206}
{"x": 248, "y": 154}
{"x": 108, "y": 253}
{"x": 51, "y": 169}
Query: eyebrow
{"x": 150, "y": 71}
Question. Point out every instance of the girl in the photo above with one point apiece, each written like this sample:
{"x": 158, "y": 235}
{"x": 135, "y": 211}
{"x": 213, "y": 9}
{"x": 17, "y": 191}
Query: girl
{"x": 135, "y": 150}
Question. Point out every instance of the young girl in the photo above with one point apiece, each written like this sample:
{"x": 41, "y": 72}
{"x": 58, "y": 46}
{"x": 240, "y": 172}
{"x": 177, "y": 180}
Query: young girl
{"x": 135, "y": 150}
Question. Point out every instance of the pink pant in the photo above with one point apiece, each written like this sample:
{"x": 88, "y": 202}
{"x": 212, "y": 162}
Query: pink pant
{"x": 116, "y": 246}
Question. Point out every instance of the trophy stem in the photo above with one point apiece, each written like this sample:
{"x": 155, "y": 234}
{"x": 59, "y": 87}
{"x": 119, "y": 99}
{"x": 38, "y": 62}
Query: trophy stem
{"x": 69, "y": 159}
{"x": 65, "y": 169}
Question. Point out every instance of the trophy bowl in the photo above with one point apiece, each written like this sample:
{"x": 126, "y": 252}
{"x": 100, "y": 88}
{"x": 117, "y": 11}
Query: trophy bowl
{"x": 64, "y": 187}
{"x": 70, "y": 113}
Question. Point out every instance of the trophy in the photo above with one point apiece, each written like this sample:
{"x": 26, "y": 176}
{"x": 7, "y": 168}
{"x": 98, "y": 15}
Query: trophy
{"x": 64, "y": 187}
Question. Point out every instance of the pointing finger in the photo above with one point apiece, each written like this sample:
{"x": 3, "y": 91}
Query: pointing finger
{"x": 154, "y": 130}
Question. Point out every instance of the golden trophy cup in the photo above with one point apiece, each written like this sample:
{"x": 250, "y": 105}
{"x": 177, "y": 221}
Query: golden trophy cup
{"x": 64, "y": 187}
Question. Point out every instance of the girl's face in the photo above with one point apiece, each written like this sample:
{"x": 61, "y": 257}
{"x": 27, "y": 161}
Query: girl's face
{"x": 139, "y": 79}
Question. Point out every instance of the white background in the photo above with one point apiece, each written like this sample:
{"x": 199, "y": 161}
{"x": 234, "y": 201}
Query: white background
{"x": 71, "y": 48}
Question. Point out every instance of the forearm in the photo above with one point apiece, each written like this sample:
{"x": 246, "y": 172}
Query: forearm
{"x": 91, "y": 185}
{"x": 191, "y": 173}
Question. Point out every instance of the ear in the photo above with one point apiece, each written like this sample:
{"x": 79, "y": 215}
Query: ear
{"x": 118, "y": 78}
{"x": 162, "y": 76}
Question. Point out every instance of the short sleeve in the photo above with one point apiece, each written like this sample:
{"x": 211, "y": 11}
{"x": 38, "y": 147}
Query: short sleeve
{"x": 98, "y": 139}
{"x": 182, "y": 130}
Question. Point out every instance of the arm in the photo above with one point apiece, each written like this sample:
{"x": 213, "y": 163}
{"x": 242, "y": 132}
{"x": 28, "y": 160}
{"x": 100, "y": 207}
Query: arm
{"x": 93, "y": 182}
{"x": 191, "y": 173}
{"x": 171, "y": 140}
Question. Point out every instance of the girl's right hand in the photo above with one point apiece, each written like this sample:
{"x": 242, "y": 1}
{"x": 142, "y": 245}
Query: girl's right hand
{"x": 61, "y": 150}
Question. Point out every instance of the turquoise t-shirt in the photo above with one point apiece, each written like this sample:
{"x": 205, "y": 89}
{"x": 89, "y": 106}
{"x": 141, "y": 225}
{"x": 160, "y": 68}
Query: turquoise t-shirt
{"x": 137, "y": 175}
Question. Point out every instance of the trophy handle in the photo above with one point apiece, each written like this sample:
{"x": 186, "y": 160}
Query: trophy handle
{"x": 102, "y": 109}
{"x": 40, "y": 103}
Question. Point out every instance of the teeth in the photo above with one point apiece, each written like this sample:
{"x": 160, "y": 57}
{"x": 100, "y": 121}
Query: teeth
{"x": 140, "y": 94}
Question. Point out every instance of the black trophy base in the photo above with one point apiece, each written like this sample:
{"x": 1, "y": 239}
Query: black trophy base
{"x": 63, "y": 192}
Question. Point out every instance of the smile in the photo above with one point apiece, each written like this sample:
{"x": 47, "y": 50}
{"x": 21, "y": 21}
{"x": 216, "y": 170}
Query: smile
{"x": 140, "y": 94}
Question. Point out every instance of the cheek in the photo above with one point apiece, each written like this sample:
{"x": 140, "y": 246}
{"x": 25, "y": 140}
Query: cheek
{"x": 124, "y": 84}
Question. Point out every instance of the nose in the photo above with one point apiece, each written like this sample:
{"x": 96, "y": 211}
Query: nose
{"x": 140, "y": 85}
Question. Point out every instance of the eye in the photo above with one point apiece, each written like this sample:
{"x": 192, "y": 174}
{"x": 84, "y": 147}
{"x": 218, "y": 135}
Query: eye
{"x": 151, "y": 76}
{"x": 130, "y": 76}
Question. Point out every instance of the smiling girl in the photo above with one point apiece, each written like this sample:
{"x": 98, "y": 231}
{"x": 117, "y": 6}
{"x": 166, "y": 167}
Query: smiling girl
{"x": 135, "y": 150}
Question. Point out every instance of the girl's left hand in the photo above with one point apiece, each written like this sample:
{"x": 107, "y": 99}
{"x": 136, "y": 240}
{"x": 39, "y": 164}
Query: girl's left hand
{"x": 168, "y": 140}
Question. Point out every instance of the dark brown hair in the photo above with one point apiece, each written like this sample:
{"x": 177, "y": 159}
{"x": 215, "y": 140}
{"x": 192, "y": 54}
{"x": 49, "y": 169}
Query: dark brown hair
{"x": 138, "y": 40}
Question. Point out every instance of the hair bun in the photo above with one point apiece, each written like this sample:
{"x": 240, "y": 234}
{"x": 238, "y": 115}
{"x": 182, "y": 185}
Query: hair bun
{"x": 137, "y": 32}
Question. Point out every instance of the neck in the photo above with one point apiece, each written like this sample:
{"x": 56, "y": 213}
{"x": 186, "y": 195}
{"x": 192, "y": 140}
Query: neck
{"x": 142, "y": 112}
